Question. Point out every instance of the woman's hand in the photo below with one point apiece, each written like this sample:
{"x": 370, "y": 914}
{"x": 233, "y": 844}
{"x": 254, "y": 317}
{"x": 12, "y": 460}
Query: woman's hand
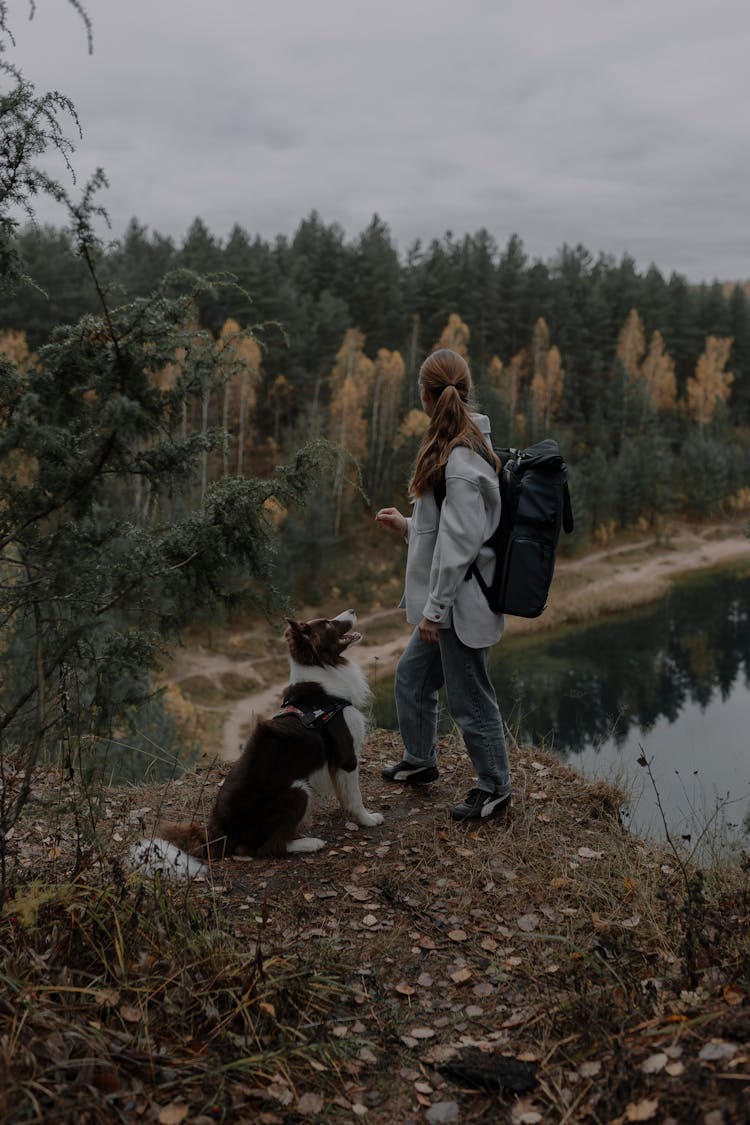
{"x": 428, "y": 631}
{"x": 392, "y": 520}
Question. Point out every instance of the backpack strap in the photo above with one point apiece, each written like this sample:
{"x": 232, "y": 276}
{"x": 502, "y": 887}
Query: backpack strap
{"x": 567, "y": 512}
{"x": 440, "y": 488}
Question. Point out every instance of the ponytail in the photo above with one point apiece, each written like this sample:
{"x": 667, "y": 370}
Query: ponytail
{"x": 445, "y": 377}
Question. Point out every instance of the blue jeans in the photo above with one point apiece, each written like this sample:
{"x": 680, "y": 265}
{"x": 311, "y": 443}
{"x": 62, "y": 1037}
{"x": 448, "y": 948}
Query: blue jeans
{"x": 421, "y": 672}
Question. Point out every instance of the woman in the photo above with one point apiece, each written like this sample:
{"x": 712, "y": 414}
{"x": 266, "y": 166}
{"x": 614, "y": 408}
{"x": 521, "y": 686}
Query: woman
{"x": 454, "y": 625}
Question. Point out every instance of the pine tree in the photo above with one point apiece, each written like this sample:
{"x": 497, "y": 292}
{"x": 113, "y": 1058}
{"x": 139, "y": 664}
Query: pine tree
{"x": 93, "y": 586}
{"x": 739, "y": 322}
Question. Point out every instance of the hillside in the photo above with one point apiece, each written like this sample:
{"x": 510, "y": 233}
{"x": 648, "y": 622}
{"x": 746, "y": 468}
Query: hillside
{"x": 548, "y": 968}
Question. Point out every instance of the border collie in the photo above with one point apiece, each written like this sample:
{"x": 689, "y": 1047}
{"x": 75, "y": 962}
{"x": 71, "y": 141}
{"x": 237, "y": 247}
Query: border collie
{"x": 308, "y": 750}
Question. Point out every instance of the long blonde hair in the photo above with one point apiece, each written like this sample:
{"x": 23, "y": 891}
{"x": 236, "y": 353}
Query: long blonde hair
{"x": 446, "y": 378}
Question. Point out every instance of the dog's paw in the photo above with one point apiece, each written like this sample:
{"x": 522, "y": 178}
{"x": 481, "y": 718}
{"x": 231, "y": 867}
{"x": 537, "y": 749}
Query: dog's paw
{"x": 306, "y": 844}
{"x": 369, "y": 819}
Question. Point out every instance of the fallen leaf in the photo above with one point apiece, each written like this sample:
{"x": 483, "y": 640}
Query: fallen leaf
{"x": 457, "y": 935}
{"x": 405, "y": 989}
{"x": 675, "y": 1069}
{"x": 310, "y": 1103}
{"x": 631, "y": 922}
{"x": 440, "y": 1053}
{"x": 733, "y": 994}
{"x": 461, "y": 976}
{"x": 107, "y": 997}
{"x": 528, "y": 922}
{"x": 280, "y": 1092}
{"x": 442, "y": 1113}
{"x": 716, "y": 1050}
{"x": 130, "y": 1014}
{"x": 360, "y": 894}
{"x": 654, "y": 1063}
{"x": 421, "y": 1032}
{"x": 588, "y": 853}
{"x": 173, "y": 1114}
{"x": 644, "y": 1110}
{"x": 590, "y": 1069}
{"x": 525, "y": 1113}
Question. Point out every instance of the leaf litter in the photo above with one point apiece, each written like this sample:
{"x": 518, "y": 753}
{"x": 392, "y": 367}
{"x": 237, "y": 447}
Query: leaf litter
{"x": 402, "y": 971}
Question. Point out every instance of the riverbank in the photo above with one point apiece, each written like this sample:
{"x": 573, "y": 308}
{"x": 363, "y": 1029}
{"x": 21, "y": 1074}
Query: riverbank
{"x": 239, "y": 677}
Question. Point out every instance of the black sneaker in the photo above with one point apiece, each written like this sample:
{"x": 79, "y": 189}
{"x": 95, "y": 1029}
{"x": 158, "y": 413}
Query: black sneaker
{"x": 408, "y": 773}
{"x": 478, "y": 804}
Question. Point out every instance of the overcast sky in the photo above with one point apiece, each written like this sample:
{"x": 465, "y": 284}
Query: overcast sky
{"x": 620, "y": 124}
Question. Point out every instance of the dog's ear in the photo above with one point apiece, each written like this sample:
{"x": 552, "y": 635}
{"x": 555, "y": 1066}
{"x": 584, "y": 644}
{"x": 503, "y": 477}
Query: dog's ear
{"x": 300, "y": 633}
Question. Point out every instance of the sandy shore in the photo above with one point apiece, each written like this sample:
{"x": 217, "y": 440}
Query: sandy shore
{"x": 610, "y": 579}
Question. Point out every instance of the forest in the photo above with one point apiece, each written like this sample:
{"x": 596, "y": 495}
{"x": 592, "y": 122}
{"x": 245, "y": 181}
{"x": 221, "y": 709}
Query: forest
{"x": 187, "y": 430}
{"x": 643, "y": 379}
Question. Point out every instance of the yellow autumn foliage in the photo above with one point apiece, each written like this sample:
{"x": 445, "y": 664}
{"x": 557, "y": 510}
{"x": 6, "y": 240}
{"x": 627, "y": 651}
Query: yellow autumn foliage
{"x": 455, "y": 335}
{"x": 658, "y": 374}
{"x": 414, "y": 425}
{"x": 710, "y": 384}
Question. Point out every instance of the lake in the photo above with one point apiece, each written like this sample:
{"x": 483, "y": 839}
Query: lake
{"x": 670, "y": 680}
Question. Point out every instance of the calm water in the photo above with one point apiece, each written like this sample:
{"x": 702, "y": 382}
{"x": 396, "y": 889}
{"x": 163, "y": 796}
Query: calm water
{"x": 673, "y": 679}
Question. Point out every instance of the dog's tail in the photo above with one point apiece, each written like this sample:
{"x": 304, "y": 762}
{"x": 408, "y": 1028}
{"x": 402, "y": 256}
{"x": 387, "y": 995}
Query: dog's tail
{"x": 176, "y": 851}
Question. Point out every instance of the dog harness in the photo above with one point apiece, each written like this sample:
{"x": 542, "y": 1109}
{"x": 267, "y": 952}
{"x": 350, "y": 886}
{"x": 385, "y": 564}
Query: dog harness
{"x": 311, "y": 715}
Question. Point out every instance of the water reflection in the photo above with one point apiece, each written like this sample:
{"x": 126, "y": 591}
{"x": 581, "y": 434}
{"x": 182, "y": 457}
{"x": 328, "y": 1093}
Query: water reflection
{"x": 673, "y": 677}
{"x": 584, "y": 687}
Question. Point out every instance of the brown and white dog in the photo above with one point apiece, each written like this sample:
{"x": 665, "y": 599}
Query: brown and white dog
{"x": 310, "y": 749}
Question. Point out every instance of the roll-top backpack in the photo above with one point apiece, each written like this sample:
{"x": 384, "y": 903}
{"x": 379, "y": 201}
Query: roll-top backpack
{"x": 535, "y": 505}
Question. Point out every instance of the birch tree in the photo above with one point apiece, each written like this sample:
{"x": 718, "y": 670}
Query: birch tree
{"x": 548, "y": 376}
{"x": 710, "y": 384}
{"x": 455, "y": 335}
{"x": 658, "y": 374}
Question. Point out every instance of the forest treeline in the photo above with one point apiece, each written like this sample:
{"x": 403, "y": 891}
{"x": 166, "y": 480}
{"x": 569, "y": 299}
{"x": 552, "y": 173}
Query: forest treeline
{"x": 644, "y": 379}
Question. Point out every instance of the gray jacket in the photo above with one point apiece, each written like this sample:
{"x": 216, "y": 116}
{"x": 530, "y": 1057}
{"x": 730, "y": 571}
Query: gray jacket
{"x": 442, "y": 545}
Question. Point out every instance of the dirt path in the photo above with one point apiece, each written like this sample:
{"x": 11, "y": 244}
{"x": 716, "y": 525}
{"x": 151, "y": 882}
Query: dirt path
{"x": 244, "y": 682}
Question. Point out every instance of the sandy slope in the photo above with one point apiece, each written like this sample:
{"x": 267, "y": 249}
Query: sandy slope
{"x": 604, "y": 580}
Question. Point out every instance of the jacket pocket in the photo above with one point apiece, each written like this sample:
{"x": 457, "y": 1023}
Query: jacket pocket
{"x": 424, "y": 518}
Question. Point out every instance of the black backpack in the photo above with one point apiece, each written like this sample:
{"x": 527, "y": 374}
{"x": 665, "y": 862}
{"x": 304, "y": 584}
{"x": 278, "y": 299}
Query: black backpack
{"x": 535, "y": 505}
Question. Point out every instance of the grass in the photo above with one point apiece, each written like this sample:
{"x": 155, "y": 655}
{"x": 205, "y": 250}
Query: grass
{"x": 346, "y": 984}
